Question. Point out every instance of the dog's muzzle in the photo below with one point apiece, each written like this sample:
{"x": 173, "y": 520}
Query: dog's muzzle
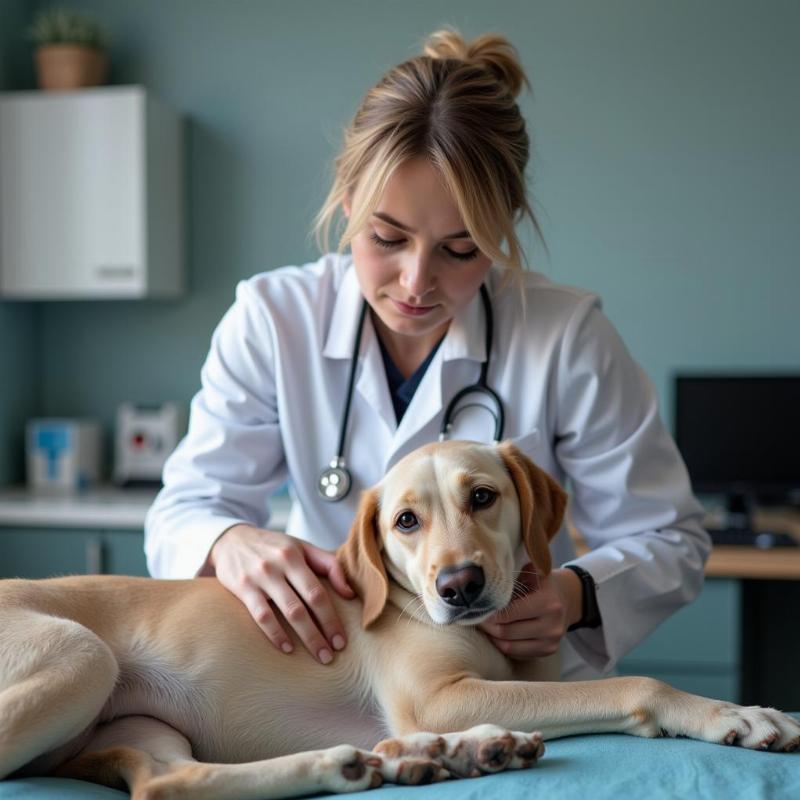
{"x": 461, "y": 587}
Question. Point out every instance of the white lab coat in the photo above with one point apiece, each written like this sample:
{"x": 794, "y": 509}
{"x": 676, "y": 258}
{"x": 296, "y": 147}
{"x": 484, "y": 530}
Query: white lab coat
{"x": 273, "y": 391}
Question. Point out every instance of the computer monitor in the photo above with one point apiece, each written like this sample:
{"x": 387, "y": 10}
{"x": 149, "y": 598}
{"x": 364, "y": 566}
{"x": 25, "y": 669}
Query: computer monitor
{"x": 740, "y": 434}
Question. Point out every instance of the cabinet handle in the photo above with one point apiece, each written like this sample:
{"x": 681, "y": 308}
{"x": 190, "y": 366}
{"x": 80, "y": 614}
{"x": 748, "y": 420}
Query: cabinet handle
{"x": 93, "y": 551}
{"x": 115, "y": 272}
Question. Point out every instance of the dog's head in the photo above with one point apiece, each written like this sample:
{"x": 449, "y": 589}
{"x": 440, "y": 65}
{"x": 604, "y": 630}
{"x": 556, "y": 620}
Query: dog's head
{"x": 453, "y": 523}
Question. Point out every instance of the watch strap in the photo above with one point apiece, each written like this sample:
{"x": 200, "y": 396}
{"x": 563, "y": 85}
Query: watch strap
{"x": 590, "y": 611}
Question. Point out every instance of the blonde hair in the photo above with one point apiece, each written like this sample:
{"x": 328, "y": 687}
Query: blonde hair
{"x": 455, "y": 105}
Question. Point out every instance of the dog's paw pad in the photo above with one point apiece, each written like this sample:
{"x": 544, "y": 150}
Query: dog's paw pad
{"x": 465, "y": 754}
{"x": 494, "y": 754}
{"x": 355, "y": 769}
{"x": 489, "y": 748}
{"x": 529, "y": 749}
{"x": 348, "y": 769}
{"x": 423, "y": 745}
{"x": 418, "y": 771}
{"x": 767, "y": 741}
{"x": 730, "y": 737}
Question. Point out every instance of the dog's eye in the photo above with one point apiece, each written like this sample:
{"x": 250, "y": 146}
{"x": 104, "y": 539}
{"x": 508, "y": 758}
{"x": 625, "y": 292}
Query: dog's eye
{"x": 407, "y": 522}
{"x": 482, "y": 497}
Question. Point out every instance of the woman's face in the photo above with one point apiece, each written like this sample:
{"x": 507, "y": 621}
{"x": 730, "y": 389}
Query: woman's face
{"x": 416, "y": 264}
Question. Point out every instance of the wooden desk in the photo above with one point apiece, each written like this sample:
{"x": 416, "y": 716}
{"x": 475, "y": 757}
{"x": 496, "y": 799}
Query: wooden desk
{"x": 746, "y": 563}
{"x": 752, "y": 563}
{"x": 779, "y": 563}
{"x": 768, "y": 612}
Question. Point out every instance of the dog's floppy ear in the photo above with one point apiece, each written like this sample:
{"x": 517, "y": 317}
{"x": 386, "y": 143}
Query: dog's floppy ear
{"x": 361, "y": 558}
{"x": 541, "y": 504}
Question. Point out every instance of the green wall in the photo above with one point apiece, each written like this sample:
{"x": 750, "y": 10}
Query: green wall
{"x": 665, "y": 171}
{"x": 19, "y": 353}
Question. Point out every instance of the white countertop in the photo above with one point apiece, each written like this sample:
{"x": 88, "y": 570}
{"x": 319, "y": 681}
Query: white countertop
{"x": 100, "y": 507}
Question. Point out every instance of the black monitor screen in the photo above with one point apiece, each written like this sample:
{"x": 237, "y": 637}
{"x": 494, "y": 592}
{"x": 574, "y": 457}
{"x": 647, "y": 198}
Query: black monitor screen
{"x": 739, "y": 433}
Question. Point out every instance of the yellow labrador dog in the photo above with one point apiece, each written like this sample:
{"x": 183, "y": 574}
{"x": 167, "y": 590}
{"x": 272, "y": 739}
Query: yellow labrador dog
{"x": 170, "y": 689}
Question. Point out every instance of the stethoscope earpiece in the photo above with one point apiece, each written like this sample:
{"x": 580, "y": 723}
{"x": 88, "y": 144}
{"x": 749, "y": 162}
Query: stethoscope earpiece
{"x": 334, "y": 482}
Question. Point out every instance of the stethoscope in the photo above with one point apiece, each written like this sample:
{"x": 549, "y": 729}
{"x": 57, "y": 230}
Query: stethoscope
{"x": 335, "y": 481}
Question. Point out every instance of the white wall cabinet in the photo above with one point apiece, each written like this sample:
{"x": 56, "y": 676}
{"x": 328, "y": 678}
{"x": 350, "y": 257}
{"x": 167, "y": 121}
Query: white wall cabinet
{"x": 91, "y": 200}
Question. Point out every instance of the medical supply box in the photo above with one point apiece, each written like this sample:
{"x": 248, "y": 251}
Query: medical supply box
{"x": 145, "y": 437}
{"x": 63, "y": 454}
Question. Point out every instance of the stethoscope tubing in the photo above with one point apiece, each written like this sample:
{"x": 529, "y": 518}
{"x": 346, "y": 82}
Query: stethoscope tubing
{"x": 482, "y": 386}
{"x": 350, "y": 384}
{"x": 335, "y": 481}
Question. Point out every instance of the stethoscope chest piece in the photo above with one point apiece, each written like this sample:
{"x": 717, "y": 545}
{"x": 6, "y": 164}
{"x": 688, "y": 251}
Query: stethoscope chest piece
{"x": 334, "y": 482}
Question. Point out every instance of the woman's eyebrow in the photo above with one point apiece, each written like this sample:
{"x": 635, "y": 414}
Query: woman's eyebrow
{"x": 392, "y": 221}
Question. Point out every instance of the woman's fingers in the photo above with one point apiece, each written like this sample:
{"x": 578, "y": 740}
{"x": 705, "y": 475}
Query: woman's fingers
{"x": 306, "y": 585}
{"x": 526, "y": 649}
{"x": 258, "y": 606}
{"x": 517, "y": 631}
{"x": 297, "y": 614}
{"x": 272, "y": 572}
{"x": 325, "y": 563}
{"x": 532, "y": 626}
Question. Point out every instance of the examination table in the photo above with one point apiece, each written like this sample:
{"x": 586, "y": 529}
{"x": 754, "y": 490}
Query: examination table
{"x": 575, "y": 768}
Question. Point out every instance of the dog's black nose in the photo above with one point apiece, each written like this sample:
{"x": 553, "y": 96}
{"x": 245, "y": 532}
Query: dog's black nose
{"x": 460, "y": 586}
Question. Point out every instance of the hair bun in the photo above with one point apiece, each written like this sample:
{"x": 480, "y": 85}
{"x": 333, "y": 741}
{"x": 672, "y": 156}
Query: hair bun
{"x": 491, "y": 51}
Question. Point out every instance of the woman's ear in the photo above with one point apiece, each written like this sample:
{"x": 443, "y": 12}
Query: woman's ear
{"x": 346, "y": 204}
{"x": 541, "y": 504}
{"x": 361, "y": 558}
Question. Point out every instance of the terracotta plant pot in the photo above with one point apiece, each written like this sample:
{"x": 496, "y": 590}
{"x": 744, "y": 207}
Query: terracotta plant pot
{"x": 69, "y": 66}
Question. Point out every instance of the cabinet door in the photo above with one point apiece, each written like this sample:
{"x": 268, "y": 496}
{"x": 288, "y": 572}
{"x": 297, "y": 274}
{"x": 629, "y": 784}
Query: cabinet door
{"x": 72, "y": 194}
{"x": 123, "y": 553}
{"x": 697, "y": 649}
{"x": 38, "y": 553}
{"x": 706, "y": 632}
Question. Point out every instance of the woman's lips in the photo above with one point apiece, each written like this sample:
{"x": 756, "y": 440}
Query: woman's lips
{"x": 412, "y": 311}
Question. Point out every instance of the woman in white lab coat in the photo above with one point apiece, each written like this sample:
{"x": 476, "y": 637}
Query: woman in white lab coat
{"x": 431, "y": 184}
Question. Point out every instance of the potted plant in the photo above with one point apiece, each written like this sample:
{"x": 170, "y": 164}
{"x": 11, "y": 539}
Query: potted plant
{"x": 70, "y": 50}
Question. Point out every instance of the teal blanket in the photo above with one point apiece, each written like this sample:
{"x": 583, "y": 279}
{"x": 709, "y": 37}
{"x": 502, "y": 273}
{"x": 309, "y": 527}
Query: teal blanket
{"x": 612, "y": 766}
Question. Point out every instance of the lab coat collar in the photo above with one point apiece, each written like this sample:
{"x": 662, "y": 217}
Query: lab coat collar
{"x": 344, "y": 319}
{"x": 465, "y": 337}
{"x": 371, "y": 380}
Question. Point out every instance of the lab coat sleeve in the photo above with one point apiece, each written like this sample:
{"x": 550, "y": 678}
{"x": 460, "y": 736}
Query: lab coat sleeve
{"x": 232, "y": 457}
{"x": 631, "y": 496}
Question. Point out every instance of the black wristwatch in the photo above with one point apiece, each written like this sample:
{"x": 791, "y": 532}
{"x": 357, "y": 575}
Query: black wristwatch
{"x": 590, "y": 612}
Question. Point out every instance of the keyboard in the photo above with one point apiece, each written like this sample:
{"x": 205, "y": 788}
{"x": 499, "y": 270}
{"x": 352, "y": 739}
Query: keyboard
{"x": 764, "y": 540}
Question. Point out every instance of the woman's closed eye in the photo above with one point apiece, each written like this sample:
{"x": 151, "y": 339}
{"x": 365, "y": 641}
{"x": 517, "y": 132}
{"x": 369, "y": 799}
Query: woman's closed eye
{"x": 392, "y": 243}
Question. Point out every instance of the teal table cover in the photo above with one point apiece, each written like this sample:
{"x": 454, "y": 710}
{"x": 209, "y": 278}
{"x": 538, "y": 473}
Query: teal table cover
{"x": 612, "y": 766}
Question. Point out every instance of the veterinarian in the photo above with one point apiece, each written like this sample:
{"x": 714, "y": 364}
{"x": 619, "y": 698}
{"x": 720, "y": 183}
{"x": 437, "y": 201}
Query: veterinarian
{"x": 325, "y": 375}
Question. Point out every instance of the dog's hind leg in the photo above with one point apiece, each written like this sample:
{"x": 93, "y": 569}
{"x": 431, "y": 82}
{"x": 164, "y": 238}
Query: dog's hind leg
{"x": 154, "y": 761}
{"x": 55, "y": 676}
{"x": 129, "y": 753}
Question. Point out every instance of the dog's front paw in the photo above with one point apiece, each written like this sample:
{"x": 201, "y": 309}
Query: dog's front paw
{"x": 753, "y": 727}
{"x": 717, "y": 721}
{"x": 490, "y": 748}
{"x": 348, "y": 769}
{"x": 467, "y": 754}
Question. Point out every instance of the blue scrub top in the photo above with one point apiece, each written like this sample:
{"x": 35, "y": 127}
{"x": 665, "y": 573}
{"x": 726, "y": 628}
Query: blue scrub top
{"x": 400, "y": 389}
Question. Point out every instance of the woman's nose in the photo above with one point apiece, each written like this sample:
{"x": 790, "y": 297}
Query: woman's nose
{"x": 416, "y": 275}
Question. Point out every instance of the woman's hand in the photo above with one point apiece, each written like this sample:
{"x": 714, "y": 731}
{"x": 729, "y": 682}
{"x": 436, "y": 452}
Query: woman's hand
{"x": 533, "y": 625}
{"x": 262, "y": 567}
